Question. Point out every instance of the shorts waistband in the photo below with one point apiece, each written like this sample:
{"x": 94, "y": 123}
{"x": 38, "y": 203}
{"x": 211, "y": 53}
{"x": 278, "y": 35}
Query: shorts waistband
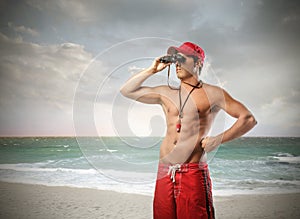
{"x": 196, "y": 165}
{"x": 185, "y": 167}
{"x": 180, "y": 168}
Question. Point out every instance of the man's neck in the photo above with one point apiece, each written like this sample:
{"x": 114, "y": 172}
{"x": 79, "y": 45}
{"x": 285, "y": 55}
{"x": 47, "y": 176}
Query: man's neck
{"x": 192, "y": 81}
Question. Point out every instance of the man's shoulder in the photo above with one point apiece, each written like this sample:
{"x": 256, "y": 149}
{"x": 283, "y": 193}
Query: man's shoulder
{"x": 211, "y": 87}
{"x": 214, "y": 92}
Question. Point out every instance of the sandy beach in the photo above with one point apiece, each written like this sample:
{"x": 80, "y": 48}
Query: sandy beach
{"x": 36, "y": 201}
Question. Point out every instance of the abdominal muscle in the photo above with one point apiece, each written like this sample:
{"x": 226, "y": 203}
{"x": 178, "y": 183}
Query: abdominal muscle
{"x": 167, "y": 147}
{"x": 195, "y": 124}
{"x": 190, "y": 135}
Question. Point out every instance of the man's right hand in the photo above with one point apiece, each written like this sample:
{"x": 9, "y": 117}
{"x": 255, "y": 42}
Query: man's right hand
{"x": 133, "y": 88}
{"x": 158, "y": 66}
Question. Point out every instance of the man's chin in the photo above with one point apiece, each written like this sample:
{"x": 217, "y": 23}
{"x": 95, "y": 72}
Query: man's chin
{"x": 179, "y": 76}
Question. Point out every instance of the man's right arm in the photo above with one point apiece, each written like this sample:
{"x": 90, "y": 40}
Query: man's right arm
{"x": 133, "y": 88}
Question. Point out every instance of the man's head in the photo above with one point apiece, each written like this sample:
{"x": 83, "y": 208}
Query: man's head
{"x": 189, "y": 49}
{"x": 192, "y": 52}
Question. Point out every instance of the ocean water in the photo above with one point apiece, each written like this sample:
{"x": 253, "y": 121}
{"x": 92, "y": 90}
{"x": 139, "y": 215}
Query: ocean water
{"x": 243, "y": 166}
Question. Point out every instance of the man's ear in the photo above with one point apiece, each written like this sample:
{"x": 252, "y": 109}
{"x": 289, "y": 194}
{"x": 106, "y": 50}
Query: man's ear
{"x": 198, "y": 63}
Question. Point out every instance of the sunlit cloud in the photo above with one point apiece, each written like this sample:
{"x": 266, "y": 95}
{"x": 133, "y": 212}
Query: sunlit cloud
{"x": 53, "y": 51}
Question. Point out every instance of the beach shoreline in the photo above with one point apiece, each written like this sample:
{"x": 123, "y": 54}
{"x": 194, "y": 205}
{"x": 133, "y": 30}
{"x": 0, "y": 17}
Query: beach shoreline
{"x": 39, "y": 201}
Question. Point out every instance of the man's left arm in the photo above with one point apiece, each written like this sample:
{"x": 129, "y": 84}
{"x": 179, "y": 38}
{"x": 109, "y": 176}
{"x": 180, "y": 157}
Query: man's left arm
{"x": 244, "y": 123}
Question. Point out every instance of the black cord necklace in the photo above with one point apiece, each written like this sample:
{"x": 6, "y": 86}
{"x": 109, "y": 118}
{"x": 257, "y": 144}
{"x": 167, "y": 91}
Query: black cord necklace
{"x": 195, "y": 86}
{"x": 180, "y": 115}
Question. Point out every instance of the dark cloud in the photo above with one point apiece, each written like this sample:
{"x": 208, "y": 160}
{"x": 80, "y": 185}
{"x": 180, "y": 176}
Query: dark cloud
{"x": 252, "y": 46}
{"x": 37, "y": 85}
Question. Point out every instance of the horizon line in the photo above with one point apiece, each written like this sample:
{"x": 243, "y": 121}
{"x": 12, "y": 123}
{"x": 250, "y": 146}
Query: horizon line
{"x": 93, "y": 136}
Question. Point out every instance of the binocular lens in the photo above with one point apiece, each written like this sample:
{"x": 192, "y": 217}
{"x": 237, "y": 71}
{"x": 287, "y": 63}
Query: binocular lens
{"x": 172, "y": 58}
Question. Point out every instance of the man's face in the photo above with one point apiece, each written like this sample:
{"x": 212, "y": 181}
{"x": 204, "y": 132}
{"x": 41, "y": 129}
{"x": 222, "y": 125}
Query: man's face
{"x": 185, "y": 70}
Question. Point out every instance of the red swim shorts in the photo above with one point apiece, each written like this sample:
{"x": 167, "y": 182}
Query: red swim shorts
{"x": 183, "y": 192}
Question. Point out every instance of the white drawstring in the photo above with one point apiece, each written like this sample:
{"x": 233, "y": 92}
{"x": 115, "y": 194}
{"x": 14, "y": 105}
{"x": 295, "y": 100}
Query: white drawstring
{"x": 172, "y": 170}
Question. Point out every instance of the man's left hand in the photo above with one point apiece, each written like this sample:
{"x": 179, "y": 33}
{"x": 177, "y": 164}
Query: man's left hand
{"x": 210, "y": 143}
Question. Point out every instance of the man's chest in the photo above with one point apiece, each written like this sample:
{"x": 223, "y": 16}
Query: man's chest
{"x": 196, "y": 104}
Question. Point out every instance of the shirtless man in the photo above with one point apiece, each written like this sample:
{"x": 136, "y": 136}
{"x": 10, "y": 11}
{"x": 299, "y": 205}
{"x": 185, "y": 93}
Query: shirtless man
{"x": 183, "y": 186}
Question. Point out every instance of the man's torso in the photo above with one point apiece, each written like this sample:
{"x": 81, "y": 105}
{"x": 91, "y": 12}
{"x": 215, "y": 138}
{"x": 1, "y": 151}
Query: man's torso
{"x": 197, "y": 117}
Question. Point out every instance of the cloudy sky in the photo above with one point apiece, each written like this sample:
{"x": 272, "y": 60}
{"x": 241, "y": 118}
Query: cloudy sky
{"x": 62, "y": 62}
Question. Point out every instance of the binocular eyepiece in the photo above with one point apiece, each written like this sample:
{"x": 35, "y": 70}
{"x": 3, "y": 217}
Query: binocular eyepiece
{"x": 172, "y": 58}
